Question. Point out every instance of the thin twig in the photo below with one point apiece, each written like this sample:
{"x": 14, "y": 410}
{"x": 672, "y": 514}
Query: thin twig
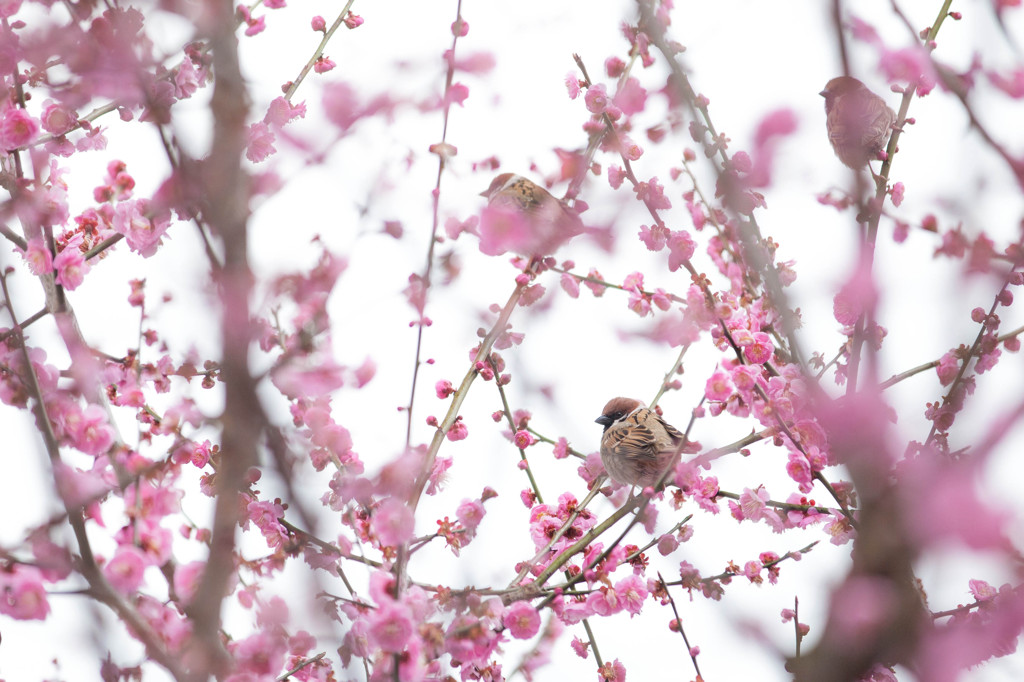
{"x": 679, "y": 624}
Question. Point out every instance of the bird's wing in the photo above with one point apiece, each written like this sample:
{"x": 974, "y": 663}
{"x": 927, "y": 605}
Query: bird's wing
{"x": 636, "y": 439}
{"x": 633, "y": 441}
{"x": 673, "y": 433}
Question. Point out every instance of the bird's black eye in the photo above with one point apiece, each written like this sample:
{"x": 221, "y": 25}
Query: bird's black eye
{"x": 606, "y": 420}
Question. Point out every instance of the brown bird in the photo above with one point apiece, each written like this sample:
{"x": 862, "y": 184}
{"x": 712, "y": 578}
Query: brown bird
{"x": 524, "y": 217}
{"x": 512, "y": 191}
{"x": 858, "y": 121}
{"x": 638, "y": 446}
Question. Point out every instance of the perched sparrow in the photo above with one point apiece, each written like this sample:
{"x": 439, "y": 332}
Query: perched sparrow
{"x": 638, "y": 446}
{"x": 524, "y": 217}
{"x": 515, "y": 191}
{"x": 858, "y": 121}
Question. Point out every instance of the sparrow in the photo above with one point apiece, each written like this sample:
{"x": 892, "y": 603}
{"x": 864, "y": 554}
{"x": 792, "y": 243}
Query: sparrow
{"x": 515, "y": 191}
{"x": 547, "y": 221}
{"x": 858, "y": 121}
{"x": 637, "y": 446}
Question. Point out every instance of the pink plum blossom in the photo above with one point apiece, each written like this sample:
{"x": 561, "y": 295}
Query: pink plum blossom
{"x": 38, "y": 257}
{"x": 323, "y": 64}
{"x": 523, "y": 439}
{"x": 71, "y": 265}
{"x": 752, "y": 503}
{"x": 390, "y": 627}
{"x": 522, "y": 620}
{"x": 458, "y": 431}
{"x": 393, "y": 522}
{"x": 24, "y": 595}
{"x": 612, "y": 671}
{"x": 470, "y": 513}
{"x": 125, "y": 570}
{"x": 572, "y": 84}
{"x": 580, "y": 647}
{"x": 681, "y": 249}
{"x": 57, "y": 118}
{"x": 760, "y": 349}
{"x": 142, "y": 227}
{"x": 667, "y": 544}
{"x": 17, "y": 128}
{"x": 93, "y": 434}
{"x": 719, "y": 386}
{"x": 631, "y": 592}
{"x": 259, "y": 142}
{"x": 596, "y": 98}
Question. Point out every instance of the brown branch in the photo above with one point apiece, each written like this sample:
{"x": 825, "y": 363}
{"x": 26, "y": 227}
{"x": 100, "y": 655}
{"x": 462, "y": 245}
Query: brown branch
{"x": 227, "y": 193}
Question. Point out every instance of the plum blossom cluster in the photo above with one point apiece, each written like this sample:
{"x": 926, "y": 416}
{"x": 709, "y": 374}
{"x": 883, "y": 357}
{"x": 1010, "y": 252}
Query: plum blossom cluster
{"x": 554, "y": 528}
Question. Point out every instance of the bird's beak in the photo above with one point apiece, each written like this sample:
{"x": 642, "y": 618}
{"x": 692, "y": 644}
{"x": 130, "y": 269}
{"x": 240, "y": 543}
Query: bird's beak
{"x": 484, "y": 193}
{"x": 822, "y": 93}
{"x": 604, "y": 420}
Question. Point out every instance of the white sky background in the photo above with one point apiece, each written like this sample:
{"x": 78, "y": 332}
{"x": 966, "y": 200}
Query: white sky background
{"x": 748, "y": 58}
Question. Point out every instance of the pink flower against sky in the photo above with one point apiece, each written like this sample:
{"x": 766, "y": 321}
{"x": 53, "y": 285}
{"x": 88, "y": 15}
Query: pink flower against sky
{"x": 125, "y": 570}
{"x": 522, "y": 620}
{"x": 38, "y": 257}
{"x": 17, "y": 128}
{"x": 323, "y": 64}
{"x": 470, "y": 513}
{"x": 24, "y": 595}
{"x": 141, "y": 227}
{"x": 719, "y": 387}
{"x": 57, "y": 118}
{"x": 681, "y": 249}
{"x": 259, "y": 142}
{"x": 612, "y": 671}
{"x": 572, "y": 85}
{"x": 752, "y": 502}
{"x": 596, "y": 98}
{"x": 93, "y": 434}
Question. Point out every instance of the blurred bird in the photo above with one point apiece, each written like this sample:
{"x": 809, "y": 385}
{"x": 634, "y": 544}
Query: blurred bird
{"x": 858, "y": 121}
{"x": 523, "y": 217}
{"x": 638, "y": 446}
{"x": 509, "y": 190}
